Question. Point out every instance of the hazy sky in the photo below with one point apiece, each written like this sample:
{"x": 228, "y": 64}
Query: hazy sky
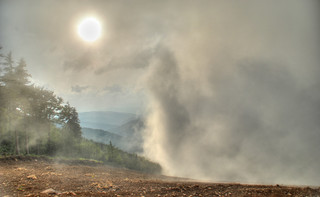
{"x": 104, "y": 75}
{"x": 231, "y": 89}
{"x": 98, "y": 76}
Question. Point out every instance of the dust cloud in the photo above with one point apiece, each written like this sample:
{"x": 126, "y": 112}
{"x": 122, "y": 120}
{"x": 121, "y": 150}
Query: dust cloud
{"x": 234, "y": 95}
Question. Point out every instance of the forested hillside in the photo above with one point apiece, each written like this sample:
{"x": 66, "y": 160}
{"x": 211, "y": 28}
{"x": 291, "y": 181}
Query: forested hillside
{"x": 33, "y": 120}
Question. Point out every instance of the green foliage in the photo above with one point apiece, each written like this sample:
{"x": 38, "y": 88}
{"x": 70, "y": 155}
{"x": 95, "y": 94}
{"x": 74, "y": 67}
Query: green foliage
{"x": 6, "y": 147}
{"x": 28, "y": 113}
{"x": 35, "y": 121}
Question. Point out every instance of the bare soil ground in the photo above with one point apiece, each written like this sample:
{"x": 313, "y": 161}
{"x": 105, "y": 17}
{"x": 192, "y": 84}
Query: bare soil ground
{"x": 32, "y": 176}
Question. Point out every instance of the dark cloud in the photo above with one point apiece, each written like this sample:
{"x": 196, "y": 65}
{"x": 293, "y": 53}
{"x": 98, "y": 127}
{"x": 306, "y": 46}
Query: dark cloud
{"x": 79, "y": 89}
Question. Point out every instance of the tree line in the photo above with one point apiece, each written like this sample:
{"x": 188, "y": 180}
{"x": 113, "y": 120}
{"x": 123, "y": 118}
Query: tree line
{"x": 33, "y": 120}
{"x": 29, "y": 113}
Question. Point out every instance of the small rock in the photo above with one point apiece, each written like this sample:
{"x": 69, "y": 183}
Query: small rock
{"x": 33, "y": 177}
{"x": 50, "y": 191}
{"x": 69, "y": 193}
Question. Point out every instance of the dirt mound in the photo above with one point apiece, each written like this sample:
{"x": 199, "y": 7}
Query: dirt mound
{"x": 29, "y": 176}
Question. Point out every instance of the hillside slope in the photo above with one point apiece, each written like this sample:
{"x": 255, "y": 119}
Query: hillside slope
{"x": 132, "y": 143}
{"x": 125, "y": 132}
{"x": 102, "y": 136}
{"x": 131, "y": 128}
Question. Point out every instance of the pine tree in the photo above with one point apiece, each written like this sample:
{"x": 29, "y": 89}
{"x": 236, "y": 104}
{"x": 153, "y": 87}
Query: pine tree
{"x": 20, "y": 73}
{"x": 21, "y": 80}
{"x": 14, "y": 84}
{"x": 8, "y": 69}
{"x": 10, "y": 92}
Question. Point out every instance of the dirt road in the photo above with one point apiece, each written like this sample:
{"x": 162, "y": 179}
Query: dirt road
{"x": 41, "y": 177}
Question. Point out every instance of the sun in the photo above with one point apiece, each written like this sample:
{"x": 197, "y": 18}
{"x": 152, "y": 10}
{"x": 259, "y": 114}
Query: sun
{"x": 89, "y": 29}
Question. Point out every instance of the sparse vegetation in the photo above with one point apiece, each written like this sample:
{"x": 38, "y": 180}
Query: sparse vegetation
{"x": 35, "y": 121}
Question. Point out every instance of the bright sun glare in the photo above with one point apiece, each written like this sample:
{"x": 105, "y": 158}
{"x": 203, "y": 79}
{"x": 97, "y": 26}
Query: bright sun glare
{"x": 89, "y": 29}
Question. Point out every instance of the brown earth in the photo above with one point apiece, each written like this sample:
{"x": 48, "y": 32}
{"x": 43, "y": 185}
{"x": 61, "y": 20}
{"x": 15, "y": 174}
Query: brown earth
{"x": 21, "y": 176}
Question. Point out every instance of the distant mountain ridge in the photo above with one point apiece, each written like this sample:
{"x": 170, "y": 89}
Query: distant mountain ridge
{"x": 101, "y": 136}
{"x": 130, "y": 128}
{"x": 124, "y": 130}
{"x": 104, "y": 120}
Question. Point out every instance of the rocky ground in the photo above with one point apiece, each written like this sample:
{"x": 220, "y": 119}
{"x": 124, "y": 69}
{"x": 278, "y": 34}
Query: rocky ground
{"x": 21, "y": 176}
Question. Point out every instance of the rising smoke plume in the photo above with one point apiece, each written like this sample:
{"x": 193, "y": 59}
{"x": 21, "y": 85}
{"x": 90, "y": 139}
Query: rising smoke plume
{"x": 240, "y": 104}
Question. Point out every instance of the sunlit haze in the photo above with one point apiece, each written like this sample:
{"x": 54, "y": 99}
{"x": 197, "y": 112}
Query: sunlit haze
{"x": 89, "y": 29}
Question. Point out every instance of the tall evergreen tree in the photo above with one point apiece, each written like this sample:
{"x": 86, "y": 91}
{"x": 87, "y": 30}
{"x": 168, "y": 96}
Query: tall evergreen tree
{"x": 21, "y": 80}
{"x": 20, "y": 73}
{"x": 8, "y": 69}
{"x": 11, "y": 94}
